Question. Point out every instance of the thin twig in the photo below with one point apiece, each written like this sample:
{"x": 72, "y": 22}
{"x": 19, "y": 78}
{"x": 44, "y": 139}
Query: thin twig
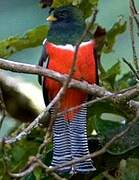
{"x": 34, "y": 164}
{"x": 134, "y": 13}
{"x": 120, "y": 95}
{"x": 133, "y": 7}
{"x": 3, "y": 108}
{"x": 53, "y": 174}
{"x": 131, "y": 28}
{"x": 36, "y": 122}
{"x": 25, "y": 172}
{"x": 132, "y": 68}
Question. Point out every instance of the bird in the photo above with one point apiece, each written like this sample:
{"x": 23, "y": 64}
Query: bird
{"x": 69, "y": 130}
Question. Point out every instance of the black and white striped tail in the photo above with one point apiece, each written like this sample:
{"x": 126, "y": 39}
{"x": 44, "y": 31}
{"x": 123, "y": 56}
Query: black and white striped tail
{"x": 70, "y": 142}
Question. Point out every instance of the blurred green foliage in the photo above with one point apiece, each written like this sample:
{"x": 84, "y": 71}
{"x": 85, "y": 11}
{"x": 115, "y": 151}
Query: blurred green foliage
{"x": 30, "y": 39}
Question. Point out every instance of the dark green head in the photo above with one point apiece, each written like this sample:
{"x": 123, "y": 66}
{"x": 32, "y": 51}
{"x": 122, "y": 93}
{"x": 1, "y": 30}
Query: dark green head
{"x": 67, "y": 25}
{"x": 67, "y": 14}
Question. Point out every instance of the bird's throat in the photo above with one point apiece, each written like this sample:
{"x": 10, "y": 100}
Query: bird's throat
{"x": 62, "y": 34}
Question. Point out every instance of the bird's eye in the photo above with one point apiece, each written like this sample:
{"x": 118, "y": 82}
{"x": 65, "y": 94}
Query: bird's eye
{"x": 63, "y": 14}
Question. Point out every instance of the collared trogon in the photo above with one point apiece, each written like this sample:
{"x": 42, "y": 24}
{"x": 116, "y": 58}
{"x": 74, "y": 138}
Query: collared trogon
{"x": 69, "y": 130}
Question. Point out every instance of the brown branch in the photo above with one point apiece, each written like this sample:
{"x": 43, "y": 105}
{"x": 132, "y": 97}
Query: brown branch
{"x": 133, "y": 7}
{"x": 26, "y": 131}
{"x": 35, "y": 162}
{"x": 117, "y": 97}
{"x": 33, "y": 69}
{"x": 134, "y": 12}
{"x": 46, "y": 168}
{"x": 25, "y": 172}
{"x": 131, "y": 29}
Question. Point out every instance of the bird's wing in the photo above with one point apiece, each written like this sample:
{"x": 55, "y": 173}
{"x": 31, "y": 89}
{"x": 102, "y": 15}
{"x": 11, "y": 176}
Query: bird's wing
{"x": 43, "y": 61}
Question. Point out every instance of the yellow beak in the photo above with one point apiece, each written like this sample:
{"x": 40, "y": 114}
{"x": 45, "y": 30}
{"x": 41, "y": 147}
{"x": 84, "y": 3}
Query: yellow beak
{"x": 51, "y": 18}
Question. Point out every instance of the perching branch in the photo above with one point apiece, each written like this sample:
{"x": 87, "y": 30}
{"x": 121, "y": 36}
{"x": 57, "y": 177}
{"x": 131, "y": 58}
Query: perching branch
{"x": 33, "y": 69}
{"x": 34, "y": 164}
{"x": 94, "y": 90}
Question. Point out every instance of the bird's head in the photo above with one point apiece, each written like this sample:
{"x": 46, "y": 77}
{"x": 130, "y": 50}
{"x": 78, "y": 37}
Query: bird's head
{"x": 65, "y": 14}
{"x": 67, "y": 25}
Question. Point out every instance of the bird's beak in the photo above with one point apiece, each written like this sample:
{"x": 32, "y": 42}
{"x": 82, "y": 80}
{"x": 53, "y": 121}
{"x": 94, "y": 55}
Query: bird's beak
{"x": 51, "y": 18}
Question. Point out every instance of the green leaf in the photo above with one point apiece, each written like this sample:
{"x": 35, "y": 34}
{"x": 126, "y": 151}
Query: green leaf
{"x": 31, "y": 38}
{"x": 129, "y": 169}
{"x": 58, "y": 3}
{"x": 117, "y": 29}
{"x": 87, "y": 6}
{"x": 31, "y": 176}
{"x": 108, "y": 121}
{"x": 76, "y": 2}
{"x": 37, "y": 173}
{"x": 126, "y": 80}
{"x": 108, "y": 129}
{"x": 108, "y": 77}
{"x": 95, "y": 112}
{"x": 128, "y": 142}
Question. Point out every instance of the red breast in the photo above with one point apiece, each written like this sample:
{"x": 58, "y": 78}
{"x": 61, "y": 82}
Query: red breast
{"x": 60, "y": 60}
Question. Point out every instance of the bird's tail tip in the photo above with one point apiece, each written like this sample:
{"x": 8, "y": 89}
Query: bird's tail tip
{"x": 83, "y": 167}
